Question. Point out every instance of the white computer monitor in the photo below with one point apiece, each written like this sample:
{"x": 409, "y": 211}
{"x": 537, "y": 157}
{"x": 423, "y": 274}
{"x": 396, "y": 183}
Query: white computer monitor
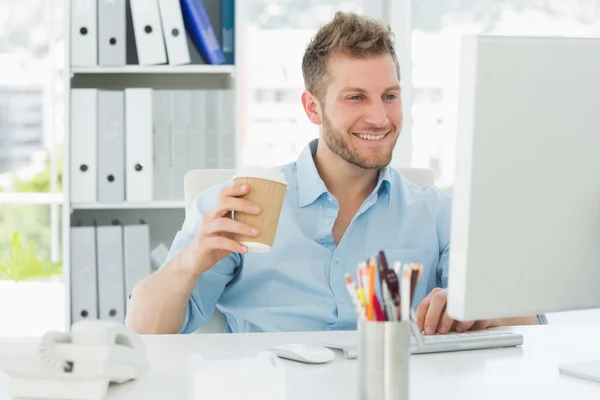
{"x": 525, "y": 234}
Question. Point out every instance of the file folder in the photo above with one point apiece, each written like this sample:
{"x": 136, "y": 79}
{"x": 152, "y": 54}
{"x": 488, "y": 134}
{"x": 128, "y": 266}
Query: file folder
{"x": 161, "y": 104}
{"x": 111, "y": 286}
{"x": 111, "y": 146}
{"x": 226, "y": 133}
{"x": 84, "y": 139}
{"x": 211, "y": 150}
{"x": 136, "y": 255}
{"x": 84, "y": 285}
{"x": 138, "y": 145}
{"x": 180, "y": 112}
{"x": 202, "y": 33}
{"x": 84, "y": 33}
{"x": 195, "y": 148}
{"x": 174, "y": 32}
{"x": 148, "y": 32}
{"x": 112, "y": 32}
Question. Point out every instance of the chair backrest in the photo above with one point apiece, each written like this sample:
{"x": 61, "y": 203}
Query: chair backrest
{"x": 420, "y": 176}
{"x": 197, "y": 180}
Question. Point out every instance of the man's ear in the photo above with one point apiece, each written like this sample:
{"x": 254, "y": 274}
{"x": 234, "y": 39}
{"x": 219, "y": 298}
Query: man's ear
{"x": 312, "y": 107}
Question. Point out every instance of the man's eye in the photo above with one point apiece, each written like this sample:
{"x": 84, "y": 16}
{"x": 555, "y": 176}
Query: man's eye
{"x": 356, "y": 97}
{"x": 390, "y": 97}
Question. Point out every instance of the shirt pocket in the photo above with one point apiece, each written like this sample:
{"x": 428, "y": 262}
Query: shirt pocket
{"x": 406, "y": 256}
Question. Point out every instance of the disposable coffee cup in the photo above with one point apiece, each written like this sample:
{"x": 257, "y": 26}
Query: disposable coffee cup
{"x": 267, "y": 189}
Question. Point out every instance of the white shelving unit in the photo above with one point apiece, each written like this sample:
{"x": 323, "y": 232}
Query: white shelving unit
{"x": 163, "y": 217}
{"x": 156, "y": 205}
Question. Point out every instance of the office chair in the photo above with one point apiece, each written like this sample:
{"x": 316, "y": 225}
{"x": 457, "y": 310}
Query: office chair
{"x": 197, "y": 180}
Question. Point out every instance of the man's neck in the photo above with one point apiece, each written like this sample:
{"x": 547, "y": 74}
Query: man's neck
{"x": 345, "y": 181}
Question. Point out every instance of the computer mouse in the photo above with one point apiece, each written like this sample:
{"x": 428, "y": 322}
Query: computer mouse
{"x": 304, "y": 352}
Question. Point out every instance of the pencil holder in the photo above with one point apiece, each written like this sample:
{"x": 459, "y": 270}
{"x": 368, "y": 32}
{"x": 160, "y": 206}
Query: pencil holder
{"x": 383, "y": 358}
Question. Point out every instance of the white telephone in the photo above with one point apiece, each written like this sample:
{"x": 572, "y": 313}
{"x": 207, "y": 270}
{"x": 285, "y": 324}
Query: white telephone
{"x": 76, "y": 365}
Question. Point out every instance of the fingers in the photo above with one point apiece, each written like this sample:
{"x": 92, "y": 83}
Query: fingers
{"x": 234, "y": 191}
{"x": 422, "y": 311}
{"x": 478, "y": 325}
{"x": 435, "y": 312}
{"x": 227, "y": 225}
{"x": 464, "y": 326}
{"x": 423, "y": 308}
{"x": 228, "y": 204}
{"x": 445, "y": 325}
{"x": 223, "y": 243}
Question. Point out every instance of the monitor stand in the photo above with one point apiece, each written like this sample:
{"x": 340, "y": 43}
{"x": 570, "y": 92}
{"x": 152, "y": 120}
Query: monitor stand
{"x": 589, "y": 370}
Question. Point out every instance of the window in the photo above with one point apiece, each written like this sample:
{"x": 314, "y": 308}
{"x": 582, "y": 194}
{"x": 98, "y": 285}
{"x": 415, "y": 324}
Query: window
{"x": 275, "y": 128}
{"x": 31, "y": 130}
{"x": 437, "y": 29}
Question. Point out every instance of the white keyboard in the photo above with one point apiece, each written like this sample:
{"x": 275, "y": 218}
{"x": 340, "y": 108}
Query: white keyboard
{"x": 472, "y": 340}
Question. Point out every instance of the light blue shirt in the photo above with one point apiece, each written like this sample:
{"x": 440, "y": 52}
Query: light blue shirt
{"x": 299, "y": 285}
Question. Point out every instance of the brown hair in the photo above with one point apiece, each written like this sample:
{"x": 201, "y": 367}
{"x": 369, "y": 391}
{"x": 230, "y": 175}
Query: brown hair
{"x": 347, "y": 34}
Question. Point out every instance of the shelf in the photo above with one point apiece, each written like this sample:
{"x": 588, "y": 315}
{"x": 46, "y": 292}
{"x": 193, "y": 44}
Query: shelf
{"x": 126, "y": 206}
{"x": 165, "y": 77}
{"x": 157, "y": 69}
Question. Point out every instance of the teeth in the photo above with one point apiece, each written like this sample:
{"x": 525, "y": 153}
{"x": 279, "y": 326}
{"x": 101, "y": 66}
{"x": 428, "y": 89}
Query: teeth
{"x": 370, "y": 137}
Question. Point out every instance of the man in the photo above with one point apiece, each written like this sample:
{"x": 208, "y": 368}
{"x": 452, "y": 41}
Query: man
{"x": 343, "y": 204}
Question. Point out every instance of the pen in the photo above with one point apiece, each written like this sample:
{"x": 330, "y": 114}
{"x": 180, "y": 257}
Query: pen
{"x": 391, "y": 280}
{"x": 417, "y": 271}
{"x": 405, "y": 288}
{"x": 387, "y": 299}
{"x": 351, "y": 287}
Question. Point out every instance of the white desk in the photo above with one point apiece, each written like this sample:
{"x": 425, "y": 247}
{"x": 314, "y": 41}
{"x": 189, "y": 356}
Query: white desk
{"x": 529, "y": 372}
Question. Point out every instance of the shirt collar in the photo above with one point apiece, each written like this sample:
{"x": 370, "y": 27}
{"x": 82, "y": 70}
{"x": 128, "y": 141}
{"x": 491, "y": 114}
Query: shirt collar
{"x": 310, "y": 184}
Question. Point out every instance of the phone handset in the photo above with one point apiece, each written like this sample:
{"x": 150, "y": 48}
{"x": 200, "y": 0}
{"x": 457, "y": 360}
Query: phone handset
{"x": 48, "y": 354}
{"x": 90, "y": 333}
{"x": 103, "y": 332}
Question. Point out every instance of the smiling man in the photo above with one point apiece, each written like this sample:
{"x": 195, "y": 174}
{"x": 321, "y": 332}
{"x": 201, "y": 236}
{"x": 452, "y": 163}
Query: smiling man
{"x": 344, "y": 204}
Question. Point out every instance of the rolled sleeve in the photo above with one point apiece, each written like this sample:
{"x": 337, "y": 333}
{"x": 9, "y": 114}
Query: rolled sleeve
{"x": 210, "y": 286}
{"x": 443, "y": 231}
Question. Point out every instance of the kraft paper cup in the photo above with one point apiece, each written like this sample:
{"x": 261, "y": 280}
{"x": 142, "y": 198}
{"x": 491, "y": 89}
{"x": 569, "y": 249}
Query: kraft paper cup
{"x": 267, "y": 189}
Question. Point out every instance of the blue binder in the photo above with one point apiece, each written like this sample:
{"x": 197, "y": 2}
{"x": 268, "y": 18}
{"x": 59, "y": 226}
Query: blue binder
{"x": 228, "y": 30}
{"x": 201, "y": 31}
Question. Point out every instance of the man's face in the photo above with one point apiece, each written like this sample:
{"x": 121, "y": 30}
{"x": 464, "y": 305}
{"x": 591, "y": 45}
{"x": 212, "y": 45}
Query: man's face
{"x": 362, "y": 110}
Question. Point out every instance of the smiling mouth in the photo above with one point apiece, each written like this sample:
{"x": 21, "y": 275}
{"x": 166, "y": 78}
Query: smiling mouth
{"x": 366, "y": 136}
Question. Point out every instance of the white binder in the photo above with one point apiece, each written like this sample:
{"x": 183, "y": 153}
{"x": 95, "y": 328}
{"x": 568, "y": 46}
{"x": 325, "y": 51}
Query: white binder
{"x": 138, "y": 145}
{"x": 161, "y": 104}
{"x": 226, "y": 134}
{"x": 84, "y": 139}
{"x": 111, "y": 288}
{"x": 136, "y": 255}
{"x": 111, "y": 146}
{"x": 174, "y": 32}
{"x": 195, "y": 149}
{"x": 148, "y": 32}
{"x": 84, "y": 33}
{"x": 84, "y": 288}
{"x": 111, "y": 32}
{"x": 180, "y": 114}
{"x": 211, "y": 140}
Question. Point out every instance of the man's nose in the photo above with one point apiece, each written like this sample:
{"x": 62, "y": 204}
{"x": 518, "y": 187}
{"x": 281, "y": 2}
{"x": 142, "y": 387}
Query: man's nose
{"x": 376, "y": 114}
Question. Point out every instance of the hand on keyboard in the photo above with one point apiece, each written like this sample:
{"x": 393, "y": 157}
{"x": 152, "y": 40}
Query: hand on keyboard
{"x": 432, "y": 317}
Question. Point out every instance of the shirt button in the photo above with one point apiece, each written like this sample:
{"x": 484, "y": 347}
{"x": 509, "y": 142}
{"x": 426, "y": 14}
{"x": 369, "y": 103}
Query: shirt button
{"x": 337, "y": 259}
{"x": 343, "y": 301}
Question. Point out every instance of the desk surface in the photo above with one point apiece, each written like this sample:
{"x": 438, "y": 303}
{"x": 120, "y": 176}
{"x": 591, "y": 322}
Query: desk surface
{"x": 528, "y": 372}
